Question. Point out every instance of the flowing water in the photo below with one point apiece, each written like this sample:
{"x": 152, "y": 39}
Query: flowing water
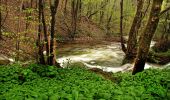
{"x": 107, "y": 56}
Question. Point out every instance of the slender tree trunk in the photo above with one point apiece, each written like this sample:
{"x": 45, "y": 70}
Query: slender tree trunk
{"x": 121, "y": 27}
{"x": 132, "y": 40}
{"x": 108, "y": 24}
{"x": 73, "y": 19}
{"x": 146, "y": 37}
{"x": 53, "y": 7}
{"x": 45, "y": 30}
{"x": 0, "y": 20}
{"x": 80, "y": 8}
{"x": 65, "y": 7}
{"x": 101, "y": 15}
{"x": 18, "y": 32}
{"x": 27, "y": 15}
{"x": 41, "y": 59}
{"x": 74, "y": 12}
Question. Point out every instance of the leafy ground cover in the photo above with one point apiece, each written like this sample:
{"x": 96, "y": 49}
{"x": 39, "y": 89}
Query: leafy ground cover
{"x": 35, "y": 82}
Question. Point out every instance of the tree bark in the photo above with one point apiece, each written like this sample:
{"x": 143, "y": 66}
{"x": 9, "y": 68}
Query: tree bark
{"x": 53, "y": 7}
{"x": 121, "y": 27}
{"x": 146, "y": 37}
{"x": 162, "y": 45}
{"x": 65, "y": 6}
{"x": 18, "y": 32}
{"x": 0, "y": 20}
{"x": 41, "y": 59}
{"x": 132, "y": 40}
{"x": 75, "y": 10}
{"x": 45, "y": 30}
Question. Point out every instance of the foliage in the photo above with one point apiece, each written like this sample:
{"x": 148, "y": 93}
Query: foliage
{"x": 77, "y": 83}
{"x": 150, "y": 84}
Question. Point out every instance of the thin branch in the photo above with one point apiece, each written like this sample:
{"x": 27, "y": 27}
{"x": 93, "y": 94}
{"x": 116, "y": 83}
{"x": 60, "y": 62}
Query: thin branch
{"x": 164, "y": 11}
{"x": 95, "y": 12}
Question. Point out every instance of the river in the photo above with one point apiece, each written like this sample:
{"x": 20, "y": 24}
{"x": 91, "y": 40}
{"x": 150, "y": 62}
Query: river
{"x": 106, "y": 56}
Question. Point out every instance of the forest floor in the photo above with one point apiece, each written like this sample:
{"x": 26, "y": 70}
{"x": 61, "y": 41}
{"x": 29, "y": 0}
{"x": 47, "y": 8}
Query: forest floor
{"x": 37, "y": 82}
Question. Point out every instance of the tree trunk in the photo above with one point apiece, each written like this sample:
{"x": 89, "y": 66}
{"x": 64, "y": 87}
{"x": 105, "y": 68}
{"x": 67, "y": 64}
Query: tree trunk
{"x": 75, "y": 10}
{"x": 65, "y": 7}
{"x": 18, "y": 32}
{"x": 132, "y": 40}
{"x": 121, "y": 27}
{"x": 45, "y": 30}
{"x": 53, "y": 7}
{"x": 108, "y": 33}
{"x": 146, "y": 37}
{"x": 0, "y": 20}
{"x": 41, "y": 59}
{"x": 163, "y": 44}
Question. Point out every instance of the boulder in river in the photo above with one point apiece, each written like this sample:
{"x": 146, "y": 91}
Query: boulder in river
{"x": 4, "y": 60}
{"x": 159, "y": 57}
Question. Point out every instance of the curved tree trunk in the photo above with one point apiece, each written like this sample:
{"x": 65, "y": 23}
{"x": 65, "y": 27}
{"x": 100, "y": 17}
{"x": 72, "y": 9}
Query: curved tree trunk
{"x": 146, "y": 36}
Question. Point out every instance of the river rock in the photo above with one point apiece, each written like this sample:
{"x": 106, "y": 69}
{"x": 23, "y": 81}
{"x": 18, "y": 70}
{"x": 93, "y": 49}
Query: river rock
{"x": 159, "y": 57}
{"x": 4, "y": 60}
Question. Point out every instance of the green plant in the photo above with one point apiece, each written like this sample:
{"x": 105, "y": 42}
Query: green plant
{"x": 78, "y": 83}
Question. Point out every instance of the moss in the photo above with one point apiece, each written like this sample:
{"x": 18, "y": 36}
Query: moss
{"x": 159, "y": 57}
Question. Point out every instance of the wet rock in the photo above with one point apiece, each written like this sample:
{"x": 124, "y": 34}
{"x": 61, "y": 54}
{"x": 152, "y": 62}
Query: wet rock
{"x": 159, "y": 57}
{"x": 4, "y": 60}
{"x": 92, "y": 62}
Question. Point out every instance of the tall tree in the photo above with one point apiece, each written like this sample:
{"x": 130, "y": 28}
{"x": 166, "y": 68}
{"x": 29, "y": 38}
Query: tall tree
{"x": 0, "y": 19}
{"x": 53, "y": 7}
{"x": 132, "y": 40}
{"x": 121, "y": 27}
{"x": 163, "y": 44}
{"x": 65, "y": 6}
{"x": 43, "y": 20}
{"x": 50, "y": 40}
{"x": 41, "y": 59}
{"x": 146, "y": 36}
{"x": 75, "y": 4}
{"x": 131, "y": 51}
{"x": 18, "y": 34}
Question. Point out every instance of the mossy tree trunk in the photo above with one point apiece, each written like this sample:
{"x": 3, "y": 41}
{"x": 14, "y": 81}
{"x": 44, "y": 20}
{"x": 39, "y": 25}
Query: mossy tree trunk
{"x": 163, "y": 44}
{"x": 146, "y": 37}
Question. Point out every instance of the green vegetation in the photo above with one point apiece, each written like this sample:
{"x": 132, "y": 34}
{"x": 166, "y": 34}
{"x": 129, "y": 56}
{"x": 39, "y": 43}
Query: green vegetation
{"x": 159, "y": 57}
{"x": 35, "y": 82}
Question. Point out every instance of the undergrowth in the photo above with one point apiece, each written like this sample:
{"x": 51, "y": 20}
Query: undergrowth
{"x": 37, "y": 82}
